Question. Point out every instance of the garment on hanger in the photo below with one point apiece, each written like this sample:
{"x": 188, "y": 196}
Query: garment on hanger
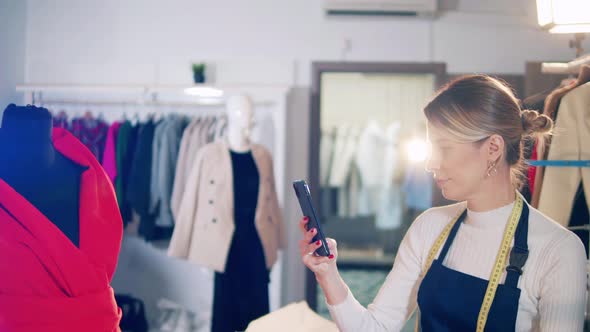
{"x": 194, "y": 141}
{"x": 370, "y": 158}
{"x": 327, "y": 149}
{"x": 60, "y": 120}
{"x": 340, "y": 173}
{"x": 235, "y": 306}
{"x": 109, "y": 158}
{"x": 370, "y": 155}
{"x": 138, "y": 190}
{"x": 126, "y": 143}
{"x": 92, "y": 132}
{"x": 342, "y": 160}
{"x": 572, "y": 128}
{"x": 69, "y": 282}
{"x": 220, "y": 129}
{"x": 156, "y": 142}
{"x": 327, "y": 145}
{"x": 181, "y": 172}
{"x": 212, "y": 130}
{"x": 389, "y": 212}
{"x": 550, "y": 109}
{"x": 157, "y": 145}
{"x": 166, "y": 149}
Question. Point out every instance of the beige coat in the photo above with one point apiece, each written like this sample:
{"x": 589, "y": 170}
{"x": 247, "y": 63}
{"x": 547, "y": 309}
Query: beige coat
{"x": 186, "y": 147}
{"x": 570, "y": 142}
{"x": 205, "y": 224}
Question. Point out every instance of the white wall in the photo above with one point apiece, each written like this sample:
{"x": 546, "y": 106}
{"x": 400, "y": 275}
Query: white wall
{"x": 12, "y": 50}
{"x": 112, "y": 41}
{"x": 270, "y": 41}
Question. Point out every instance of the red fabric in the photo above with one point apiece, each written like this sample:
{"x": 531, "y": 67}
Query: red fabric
{"x": 46, "y": 282}
{"x": 532, "y": 172}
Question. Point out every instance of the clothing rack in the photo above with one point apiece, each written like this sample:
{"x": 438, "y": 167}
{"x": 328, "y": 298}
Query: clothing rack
{"x": 269, "y": 100}
{"x": 559, "y": 163}
{"x": 42, "y": 101}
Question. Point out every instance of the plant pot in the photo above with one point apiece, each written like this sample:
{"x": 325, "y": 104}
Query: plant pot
{"x": 199, "y": 78}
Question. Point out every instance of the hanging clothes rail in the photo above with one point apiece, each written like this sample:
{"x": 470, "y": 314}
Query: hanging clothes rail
{"x": 571, "y": 67}
{"x": 560, "y": 163}
{"x": 165, "y": 95}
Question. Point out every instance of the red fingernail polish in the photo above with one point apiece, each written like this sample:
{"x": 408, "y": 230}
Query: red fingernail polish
{"x": 306, "y": 218}
{"x": 317, "y": 243}
{"x": 331, "y": 256}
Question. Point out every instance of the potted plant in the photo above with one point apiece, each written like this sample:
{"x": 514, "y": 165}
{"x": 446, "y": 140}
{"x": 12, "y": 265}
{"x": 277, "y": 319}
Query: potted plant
{"x": 199, "y": 72}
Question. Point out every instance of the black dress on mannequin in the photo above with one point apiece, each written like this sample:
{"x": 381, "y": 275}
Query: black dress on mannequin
{"x": 37, "y": 171}
{"x": 241, "y": 293}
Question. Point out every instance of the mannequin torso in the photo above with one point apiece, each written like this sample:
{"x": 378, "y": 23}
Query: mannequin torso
{"x": 32, "y": 167}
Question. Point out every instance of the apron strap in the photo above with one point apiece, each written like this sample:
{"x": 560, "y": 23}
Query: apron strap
{"x": 445, "y": 249}
{"x": 520, "y": 251}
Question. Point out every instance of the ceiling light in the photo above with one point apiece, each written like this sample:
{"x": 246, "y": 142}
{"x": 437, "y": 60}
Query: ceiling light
{"x": 204, "y": 92}
{"x": 564, "y": 16}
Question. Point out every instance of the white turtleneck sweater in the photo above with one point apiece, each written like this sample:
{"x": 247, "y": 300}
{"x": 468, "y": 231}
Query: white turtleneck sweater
{"x": 553, "y": 284}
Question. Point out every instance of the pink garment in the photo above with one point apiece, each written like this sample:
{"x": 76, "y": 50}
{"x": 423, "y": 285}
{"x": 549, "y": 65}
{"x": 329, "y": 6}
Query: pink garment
{"x": 109, "y": 158}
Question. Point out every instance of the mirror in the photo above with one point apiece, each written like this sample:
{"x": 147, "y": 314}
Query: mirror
{"x": 367, "y": 169}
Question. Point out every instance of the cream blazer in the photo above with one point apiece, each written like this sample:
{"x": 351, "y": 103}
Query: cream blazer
{"x": 205, "y": 223}
{"x": 571, "y": 141}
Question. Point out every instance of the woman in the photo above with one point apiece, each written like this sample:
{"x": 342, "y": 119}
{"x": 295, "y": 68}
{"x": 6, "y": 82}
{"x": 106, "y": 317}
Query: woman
{"x": 495, "y": 262}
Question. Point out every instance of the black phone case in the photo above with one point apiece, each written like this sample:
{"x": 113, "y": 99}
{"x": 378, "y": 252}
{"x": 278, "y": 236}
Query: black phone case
{"x": 304, "y": 197}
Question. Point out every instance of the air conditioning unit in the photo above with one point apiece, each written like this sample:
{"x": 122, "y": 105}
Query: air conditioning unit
{"x": 381, "y": 7}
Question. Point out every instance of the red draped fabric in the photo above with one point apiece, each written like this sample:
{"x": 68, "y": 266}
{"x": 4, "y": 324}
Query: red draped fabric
{"x": 46, "y": 282}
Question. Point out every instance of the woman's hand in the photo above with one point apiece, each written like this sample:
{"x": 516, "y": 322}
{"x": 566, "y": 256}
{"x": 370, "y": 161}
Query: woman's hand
{"x": 323, "y": 267}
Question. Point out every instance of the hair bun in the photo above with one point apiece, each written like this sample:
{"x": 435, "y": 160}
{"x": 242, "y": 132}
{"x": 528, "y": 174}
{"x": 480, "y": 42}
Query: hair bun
{"x": 534, "y": 123}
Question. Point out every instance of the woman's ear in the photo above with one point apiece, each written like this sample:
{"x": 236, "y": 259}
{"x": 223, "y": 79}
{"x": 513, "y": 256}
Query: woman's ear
{"x": 495, "y": 147}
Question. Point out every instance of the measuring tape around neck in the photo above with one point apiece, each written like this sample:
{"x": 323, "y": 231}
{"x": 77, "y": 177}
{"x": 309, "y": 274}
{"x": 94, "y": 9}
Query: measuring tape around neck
{"x": 498, "y": 265}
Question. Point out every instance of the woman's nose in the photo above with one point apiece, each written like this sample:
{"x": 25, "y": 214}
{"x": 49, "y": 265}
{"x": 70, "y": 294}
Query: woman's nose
{"x": 432, "y": 164}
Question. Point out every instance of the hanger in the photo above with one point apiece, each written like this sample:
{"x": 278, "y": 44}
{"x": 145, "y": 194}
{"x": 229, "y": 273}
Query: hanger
{"x": 88, "y": 115}
{"x": 124, "y": 116}
{"x": 100, "y": 114}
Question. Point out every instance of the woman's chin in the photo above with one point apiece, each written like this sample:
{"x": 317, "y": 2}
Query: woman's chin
{"x": 451, "y": 195}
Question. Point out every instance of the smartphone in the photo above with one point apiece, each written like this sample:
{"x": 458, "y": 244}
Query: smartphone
{"x": 304, "y": 197}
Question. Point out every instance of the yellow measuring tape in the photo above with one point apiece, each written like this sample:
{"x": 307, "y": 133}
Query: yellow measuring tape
{"x": 498, "y": 266}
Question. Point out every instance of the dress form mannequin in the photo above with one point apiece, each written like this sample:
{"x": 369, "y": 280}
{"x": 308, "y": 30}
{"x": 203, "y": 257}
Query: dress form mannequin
{"x": 31, "y": 165}
{"x": 60, "y": 229}
{"x": 240, "y": 114}
{"x": 235, "y": 306}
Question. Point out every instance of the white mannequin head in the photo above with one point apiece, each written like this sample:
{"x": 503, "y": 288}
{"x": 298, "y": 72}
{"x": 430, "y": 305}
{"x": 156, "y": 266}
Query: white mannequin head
{"x": 240, "y": 117}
